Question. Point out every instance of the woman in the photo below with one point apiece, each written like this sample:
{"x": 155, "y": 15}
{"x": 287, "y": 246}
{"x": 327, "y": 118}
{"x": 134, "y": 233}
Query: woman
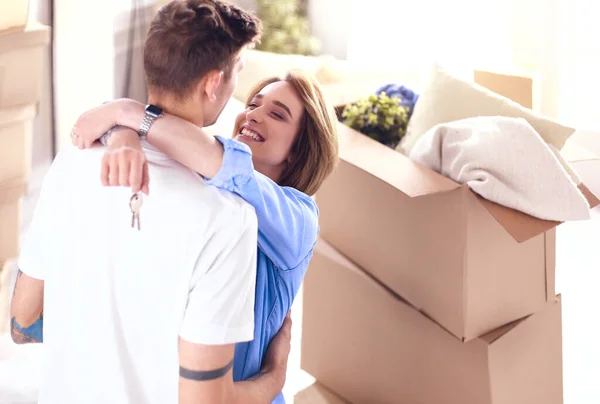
{"x": 284, "y": 145}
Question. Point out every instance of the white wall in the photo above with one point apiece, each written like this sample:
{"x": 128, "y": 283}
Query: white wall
{"x": 90, "y": 46}
{"x": 330, "y": 22}
{"x": 41, "y": 155}
{"x": 84, "y": 54}
{"x": 535, "y": 37}
{"x": 557, "y": 40}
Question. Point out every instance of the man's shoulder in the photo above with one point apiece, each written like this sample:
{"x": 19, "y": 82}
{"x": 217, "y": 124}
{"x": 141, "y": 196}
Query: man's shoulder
{"x": 71, "y": 163}
{"x": 70, "y": 152}
{"x": 195, "y": 198}
{"x": 71, "y": 156}
{"x": 229, "y": 208}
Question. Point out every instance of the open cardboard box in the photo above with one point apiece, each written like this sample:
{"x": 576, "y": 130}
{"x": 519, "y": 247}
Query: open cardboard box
{"x": 466, "y": 262}
{"x": 366, "y": 344}
{"x": 16, "y": 136}
{"x": 316, "y": 393}
{"x": 21, "y": 59}
{"x": 14, "y": 15}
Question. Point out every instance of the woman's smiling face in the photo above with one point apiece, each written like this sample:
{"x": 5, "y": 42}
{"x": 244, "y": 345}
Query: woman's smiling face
{"x": 269, "y": 126}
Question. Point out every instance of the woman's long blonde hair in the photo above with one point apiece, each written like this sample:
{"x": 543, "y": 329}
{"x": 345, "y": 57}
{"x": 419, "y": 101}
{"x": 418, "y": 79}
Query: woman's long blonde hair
{"x": 315, "y": 150}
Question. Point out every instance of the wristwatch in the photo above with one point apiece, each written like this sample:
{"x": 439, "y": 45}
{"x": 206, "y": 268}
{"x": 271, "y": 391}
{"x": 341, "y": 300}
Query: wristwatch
{"x": 153, "y": 112}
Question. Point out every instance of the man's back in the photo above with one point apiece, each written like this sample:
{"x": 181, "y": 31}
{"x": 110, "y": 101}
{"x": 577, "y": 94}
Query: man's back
{"x": 117, "y": 299}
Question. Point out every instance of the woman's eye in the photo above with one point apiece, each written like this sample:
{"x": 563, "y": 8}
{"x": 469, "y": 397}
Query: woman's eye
{"x": 276, "y": 115}
{"x": 252, "y": 105}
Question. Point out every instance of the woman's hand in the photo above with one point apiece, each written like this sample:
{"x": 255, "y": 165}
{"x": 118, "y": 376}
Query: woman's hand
{"x": 91, "y": 125}
{"x": 276, "y": 357}
{"x": 124, "y": 162}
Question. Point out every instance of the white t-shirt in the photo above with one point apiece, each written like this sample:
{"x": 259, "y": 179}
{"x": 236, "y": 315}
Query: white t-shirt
{"x": 115, "y": 298}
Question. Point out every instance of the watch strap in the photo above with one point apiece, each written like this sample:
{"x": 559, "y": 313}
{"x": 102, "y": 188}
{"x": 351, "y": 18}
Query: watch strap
{"x": 152, "y": 113}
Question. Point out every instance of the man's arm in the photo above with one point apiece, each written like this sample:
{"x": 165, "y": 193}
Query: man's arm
{"x": 220, "y": 309}
{"x": 205, "y": 373}
{"x": 27, "y": 310}
{"x": 27, "y": 304}
{"x": 212, "y": 366}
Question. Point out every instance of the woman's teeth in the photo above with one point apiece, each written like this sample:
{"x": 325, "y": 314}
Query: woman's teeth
{"x": 251, "y": 134}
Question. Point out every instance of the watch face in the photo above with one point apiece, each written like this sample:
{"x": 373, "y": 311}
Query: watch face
{"x": 154, "y": 110}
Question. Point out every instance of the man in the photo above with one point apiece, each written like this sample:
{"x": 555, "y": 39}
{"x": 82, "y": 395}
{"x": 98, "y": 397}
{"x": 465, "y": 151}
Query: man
{"x": 125, "y": 299}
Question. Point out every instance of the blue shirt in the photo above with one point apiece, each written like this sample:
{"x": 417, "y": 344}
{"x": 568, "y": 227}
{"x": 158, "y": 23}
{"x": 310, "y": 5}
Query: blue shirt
{"x": 288, "y": 226}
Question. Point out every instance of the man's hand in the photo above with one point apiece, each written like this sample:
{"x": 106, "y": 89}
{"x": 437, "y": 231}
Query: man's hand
{"x": 124, "y": 162}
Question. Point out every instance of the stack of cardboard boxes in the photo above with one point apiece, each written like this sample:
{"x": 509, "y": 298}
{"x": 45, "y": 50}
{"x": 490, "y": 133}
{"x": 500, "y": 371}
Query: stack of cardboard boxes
{"x": 422, "y": 292}
{"x": 21, "y": 56}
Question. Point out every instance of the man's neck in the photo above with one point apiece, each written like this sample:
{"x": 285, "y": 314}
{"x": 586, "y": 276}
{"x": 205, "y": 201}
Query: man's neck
{"x": 187, "y": 110}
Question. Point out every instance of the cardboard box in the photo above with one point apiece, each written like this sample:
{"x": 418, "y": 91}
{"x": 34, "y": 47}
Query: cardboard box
{"x": 519, "y": 88}
{"x": 362, "y": 341}
{"x": 21, "y": 59}
{"x": 14, "y": 14}
{"x": 10, "y": 218}
{"x": 6, "y": 286}
{"x": 16, "y": 134}
{"x": 317, "y": 394}
{"x": 470, "y": 264}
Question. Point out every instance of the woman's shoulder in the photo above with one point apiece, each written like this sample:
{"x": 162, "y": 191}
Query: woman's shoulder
{"x": 303, "y": 199}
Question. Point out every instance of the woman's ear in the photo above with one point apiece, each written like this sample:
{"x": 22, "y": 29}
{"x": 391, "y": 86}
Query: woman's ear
{"x": 211, "y": 84}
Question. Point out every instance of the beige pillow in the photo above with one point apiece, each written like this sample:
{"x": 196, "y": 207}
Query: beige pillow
{"x": 334, "y": 70}
{"x": 224, "y": 125}
{"x": 261, "y": 65}
{"x": 447, "y": 98}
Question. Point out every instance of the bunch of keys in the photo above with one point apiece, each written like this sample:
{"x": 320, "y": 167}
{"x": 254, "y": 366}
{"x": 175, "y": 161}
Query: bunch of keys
{"x": 135, "y": 204}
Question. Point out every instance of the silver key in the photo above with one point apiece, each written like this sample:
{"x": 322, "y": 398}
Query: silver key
{"x": 135, "y": 204}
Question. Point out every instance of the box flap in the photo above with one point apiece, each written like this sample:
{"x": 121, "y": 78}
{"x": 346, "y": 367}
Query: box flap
{"x": 522, "y": 226}
{"x": 317, "y": 394}
{"x": 492, "y": 336}
{"x": 495, "y": 335}
{"x": 592, "y": 199}
{"x": 390, "y": 166}
{"x": 519, "y": 225}
{"x": 35, "y": 34}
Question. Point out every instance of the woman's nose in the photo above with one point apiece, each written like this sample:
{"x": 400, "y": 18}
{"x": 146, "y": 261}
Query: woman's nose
{"x": 254, "y": 115}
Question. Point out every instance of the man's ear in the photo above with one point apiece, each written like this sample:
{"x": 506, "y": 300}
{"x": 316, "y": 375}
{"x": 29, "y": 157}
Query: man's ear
{"x": 212, "y": 81}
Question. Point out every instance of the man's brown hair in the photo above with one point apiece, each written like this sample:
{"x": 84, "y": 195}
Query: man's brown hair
{"x": 189, "y": 38}
{"x": 315, "y": 150}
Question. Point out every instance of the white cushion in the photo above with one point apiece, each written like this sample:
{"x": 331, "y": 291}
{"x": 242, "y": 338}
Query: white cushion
{"x": 447, "y": 98}
{"x": 341, "y": 71}
{"x": 505, "y": 161}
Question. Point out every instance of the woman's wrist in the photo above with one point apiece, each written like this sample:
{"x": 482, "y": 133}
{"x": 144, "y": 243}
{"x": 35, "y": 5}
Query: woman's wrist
{"x": 130, "y": 113}
{"x": 123, "y": 137}
{"x": 277, "y": 374}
